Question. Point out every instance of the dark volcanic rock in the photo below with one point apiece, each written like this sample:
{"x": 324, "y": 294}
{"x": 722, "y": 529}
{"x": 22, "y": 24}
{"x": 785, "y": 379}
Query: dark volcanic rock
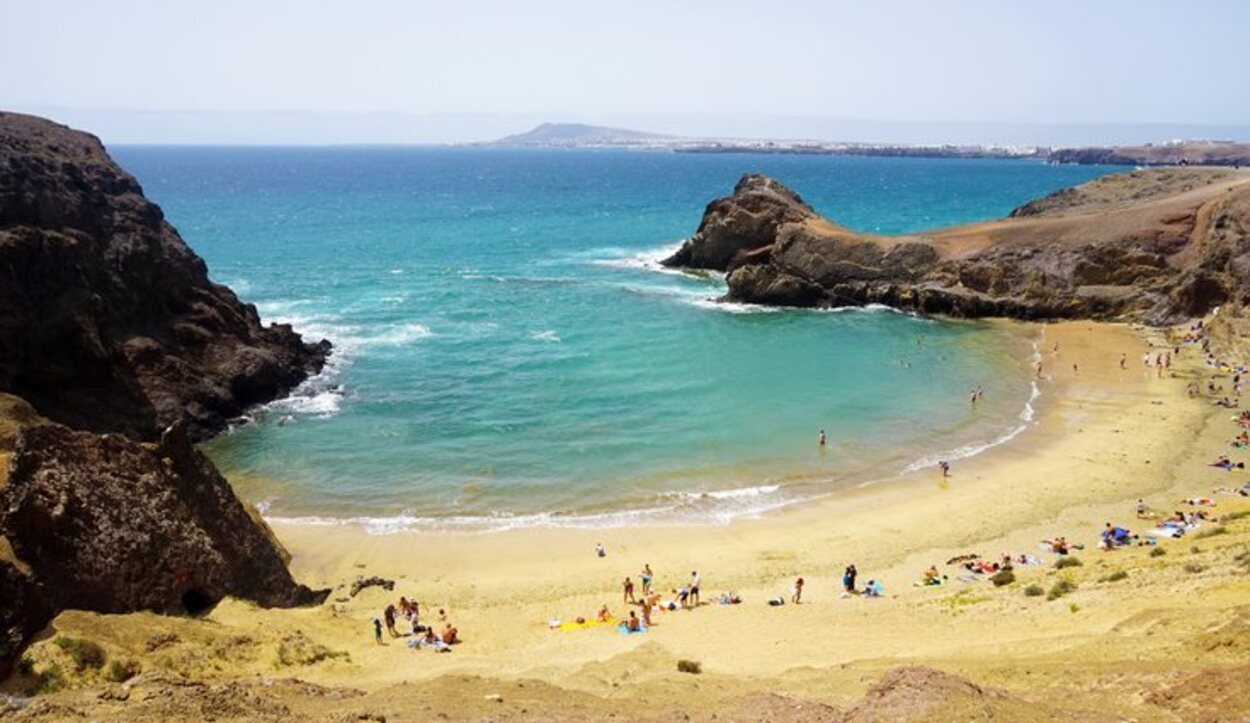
{"x": 107, "y": 524}
{"x": 108, "y": 321}
{"x": 1152, "y": 246}
{"x": 737, "y": 225}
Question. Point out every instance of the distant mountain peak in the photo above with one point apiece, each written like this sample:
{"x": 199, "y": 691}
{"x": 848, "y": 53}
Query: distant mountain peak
{"x": 579, "y": 134}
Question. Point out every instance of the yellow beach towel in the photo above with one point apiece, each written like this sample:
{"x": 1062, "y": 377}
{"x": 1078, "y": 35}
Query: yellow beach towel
{"x": 582, "y": 626}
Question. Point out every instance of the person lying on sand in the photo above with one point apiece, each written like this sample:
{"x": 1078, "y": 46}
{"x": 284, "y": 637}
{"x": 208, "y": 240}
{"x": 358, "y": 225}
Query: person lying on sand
{"x": 1061, "y": 546}
{"x": 932, "y": 576}
{"x": 729, "y": 598}
{"x": 1199, "y": 501}
{"x": 1116, "y": 536}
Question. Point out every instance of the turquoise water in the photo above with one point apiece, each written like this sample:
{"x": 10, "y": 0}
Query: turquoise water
{"x": 508, "y": 352}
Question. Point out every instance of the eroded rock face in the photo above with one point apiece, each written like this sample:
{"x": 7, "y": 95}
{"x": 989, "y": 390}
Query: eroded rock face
{"x": 108, "y": 321}
{"x": 1153, "y": 246}
{"x": 739, "y": 224}
{"x": 104, "y": 523}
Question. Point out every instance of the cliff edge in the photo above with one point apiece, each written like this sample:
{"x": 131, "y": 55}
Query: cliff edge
{"x": 108, "y": 321}
{"x": 1152, "y": 246}
{"x": 116, "y": 352}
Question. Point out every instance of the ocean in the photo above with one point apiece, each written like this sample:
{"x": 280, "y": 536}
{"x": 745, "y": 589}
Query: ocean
{"x": 508, "y": 352}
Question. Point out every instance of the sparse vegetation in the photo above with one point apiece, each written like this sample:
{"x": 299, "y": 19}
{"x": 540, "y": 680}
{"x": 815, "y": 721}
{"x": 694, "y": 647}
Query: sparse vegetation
{"x": 1034, "y": 590}
{"x": 84, "y": 653}
{"x": 1238, "y": 515}
{"x": 162, "y": 640}
{"x": 48, "y": 680}
{"x": 1003, "y": 577}
{"x": 1063, "y": 562}
{"x": 1158, "y": 552}
{"x": 298, "y": 649}
{"x": 1116, "y": 576}
{"x": 1060, "y": 588}
{"x": 689, "y": 666}
{"x": 1243, "y": 559}
{"x": 120, "y": 671}
{"x": 1074, "y": 608}
{"x": 26, "y": 665}
{"x": 1193, "y": 567}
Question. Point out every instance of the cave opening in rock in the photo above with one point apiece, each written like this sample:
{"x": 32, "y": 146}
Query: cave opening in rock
{"x": 196, "y": 601}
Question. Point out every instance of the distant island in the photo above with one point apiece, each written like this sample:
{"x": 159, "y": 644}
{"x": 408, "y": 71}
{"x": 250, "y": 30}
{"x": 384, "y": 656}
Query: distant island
{"x": 1171, "y": 153}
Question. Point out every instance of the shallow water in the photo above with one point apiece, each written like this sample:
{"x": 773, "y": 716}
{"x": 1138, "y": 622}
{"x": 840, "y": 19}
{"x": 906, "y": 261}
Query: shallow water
{"x": 507, "y": 352}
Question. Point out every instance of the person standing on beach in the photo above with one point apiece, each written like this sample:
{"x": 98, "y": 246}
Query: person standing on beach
{"x": 629, "y": 591}
{"x": 389, "y": 615}
{"x": 646, "y": 576}
{"x": 945, "y": 467}
{"x": 848, "y": 579}
{"x": 695, "y": 579}
{"x": 1124, "y": 361}
{"x": 798, "y": 591}
{"x": 377, "y": 631}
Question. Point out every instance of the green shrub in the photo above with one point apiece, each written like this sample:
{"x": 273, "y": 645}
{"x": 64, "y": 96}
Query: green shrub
{"x": 1068, "y": 562}
{"x": 1034, "y": 590}
{"x": 1158, "y": 552}
{"x": 689, "y": 666}
{"x": 84, "y": 653}
{"x": 1210, "y": 532}
{"x": 26, "y": 665}
{"x": 119, "y": 671}
{"x": 1116, "y": 576}
{"x": 48, "y": 680}
{"x": 1060, "y": 588}
{"x": 1193, "y": 567}
{"x": 1074, "y": 608}
{"x": 1003, "y": 577}
{"x": 1238, "y": 515}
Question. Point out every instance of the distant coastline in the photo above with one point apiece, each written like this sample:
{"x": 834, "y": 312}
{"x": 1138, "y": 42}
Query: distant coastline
{"x": 1169, "y": 153}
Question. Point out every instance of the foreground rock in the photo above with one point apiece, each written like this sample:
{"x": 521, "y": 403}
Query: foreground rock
{"x": 108, "y": 321}
{"x": 1154, "y": 246}
{"x": 103, "y": 523}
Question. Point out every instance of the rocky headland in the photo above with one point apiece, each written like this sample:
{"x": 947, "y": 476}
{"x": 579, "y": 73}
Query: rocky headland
{"x": 116, "y": 353}
{"x": 1154, "y": 246}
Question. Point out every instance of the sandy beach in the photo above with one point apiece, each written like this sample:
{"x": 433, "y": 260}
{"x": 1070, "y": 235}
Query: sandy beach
{"x": 1103, "y": 437}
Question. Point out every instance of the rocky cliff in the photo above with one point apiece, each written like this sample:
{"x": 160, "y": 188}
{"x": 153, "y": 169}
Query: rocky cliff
{"x": 1153, "y": 246}
{"x": 116, "y": 351}
{"x": 104, "y": 523}
{"x": 108, "y": 321}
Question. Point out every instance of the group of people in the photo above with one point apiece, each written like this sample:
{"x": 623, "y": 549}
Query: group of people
{"x": 419, "y": 636}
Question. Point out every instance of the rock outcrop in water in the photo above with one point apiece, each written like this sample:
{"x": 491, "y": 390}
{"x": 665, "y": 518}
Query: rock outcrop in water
{"x": 108, "y": 321}
{"x": 109, "y": 324}
{"x": 1152, "y": 246}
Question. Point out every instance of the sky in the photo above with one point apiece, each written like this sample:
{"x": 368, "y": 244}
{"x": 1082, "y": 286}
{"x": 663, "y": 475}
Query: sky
{"x": 391, "y": 71}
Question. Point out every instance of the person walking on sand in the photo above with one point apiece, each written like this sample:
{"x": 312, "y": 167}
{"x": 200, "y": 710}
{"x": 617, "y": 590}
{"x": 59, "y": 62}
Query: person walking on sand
{"x": 1124, "y": 361}
{"x": 646, "y": 576}
{"x": 629, "y": 591}
{"x": 848, "y": 579}
{"x": 389, "y": 615}
{"x": 377, "y": 631}
{"x": 695, "y": 579}
{"x": 798, "y": 591}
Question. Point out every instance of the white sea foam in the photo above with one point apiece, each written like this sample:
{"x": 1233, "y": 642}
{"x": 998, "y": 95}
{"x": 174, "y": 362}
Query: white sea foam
{"x": 1026, "y": 416}
{"x": 398, "y": 335}
{"x": 708, "y": 508}
{"x": 648, "y": 260}
{"x": 549, "y": 335}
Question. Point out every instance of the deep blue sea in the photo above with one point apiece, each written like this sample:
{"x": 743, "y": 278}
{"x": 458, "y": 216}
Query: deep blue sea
{"x": 508, "y": 353}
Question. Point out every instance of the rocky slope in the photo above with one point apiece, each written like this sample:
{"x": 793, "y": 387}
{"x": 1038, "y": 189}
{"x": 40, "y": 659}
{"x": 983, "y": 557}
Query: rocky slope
{"x": 108, "y": 321}
{"x": 109, "y": 324}
{"x": 1152, "y": 246}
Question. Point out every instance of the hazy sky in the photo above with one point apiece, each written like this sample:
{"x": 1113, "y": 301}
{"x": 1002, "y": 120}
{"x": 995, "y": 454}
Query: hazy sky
{"x": 922, "y": 61}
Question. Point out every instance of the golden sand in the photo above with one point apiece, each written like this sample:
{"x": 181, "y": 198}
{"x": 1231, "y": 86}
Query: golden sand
{"x": 1103, "y": 438}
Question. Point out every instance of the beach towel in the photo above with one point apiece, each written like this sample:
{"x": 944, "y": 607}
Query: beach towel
{"x": 574, "y": 625}
{"x": 626, "y": 631}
